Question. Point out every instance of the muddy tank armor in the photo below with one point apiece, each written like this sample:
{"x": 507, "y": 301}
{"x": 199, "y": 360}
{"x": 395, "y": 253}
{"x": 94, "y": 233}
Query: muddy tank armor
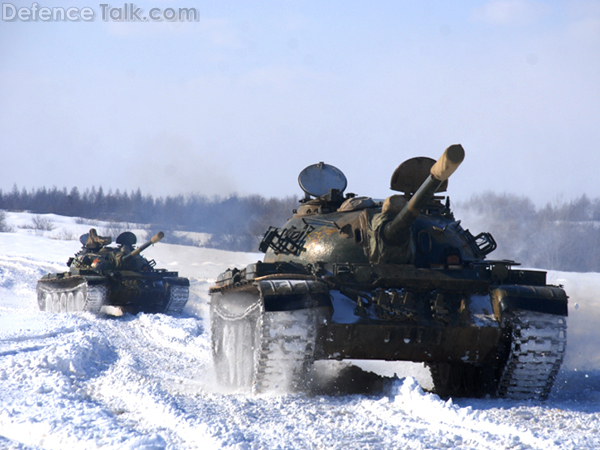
{"x": 100, "y": 275}
{"x": 354, "y": 278}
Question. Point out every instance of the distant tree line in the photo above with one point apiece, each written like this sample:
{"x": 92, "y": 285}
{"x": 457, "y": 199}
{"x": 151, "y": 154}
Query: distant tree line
{"x": 4, "y": 227}
{"x": 559, "y": 236}
{"x": 235, "y": 222}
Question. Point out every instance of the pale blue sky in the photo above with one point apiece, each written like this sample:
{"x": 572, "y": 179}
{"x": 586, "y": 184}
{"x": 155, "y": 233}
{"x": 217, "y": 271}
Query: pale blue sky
{"x": 249, "y": 95}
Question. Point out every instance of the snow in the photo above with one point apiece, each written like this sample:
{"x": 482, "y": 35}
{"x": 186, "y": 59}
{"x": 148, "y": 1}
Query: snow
{"x": 81, "y": 381}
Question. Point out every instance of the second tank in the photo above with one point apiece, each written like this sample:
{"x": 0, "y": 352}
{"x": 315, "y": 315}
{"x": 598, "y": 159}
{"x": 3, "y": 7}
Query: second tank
{"x": 101, "y": 275}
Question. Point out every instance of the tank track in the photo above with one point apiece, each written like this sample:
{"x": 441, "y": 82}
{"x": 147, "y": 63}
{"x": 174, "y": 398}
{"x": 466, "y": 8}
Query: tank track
{"x": 537, "y": 349}
{"x": 265, "y": 351}
{"x": 177, "y": 300}
{"x": 458, "y": 379}
{"x": 286, "y": 349}
{"x": 72, "y": 299}
{"x": 233, "y": 342}
{"x": 97, "y": 296}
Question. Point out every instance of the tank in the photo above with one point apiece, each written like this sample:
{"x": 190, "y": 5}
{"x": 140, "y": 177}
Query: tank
{"x": 101, "y": 275}
{"x": 351, "y": 277}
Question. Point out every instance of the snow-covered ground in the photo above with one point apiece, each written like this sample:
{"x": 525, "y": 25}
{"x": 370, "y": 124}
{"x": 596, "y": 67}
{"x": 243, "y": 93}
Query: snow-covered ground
{"x": 80, "y": 381}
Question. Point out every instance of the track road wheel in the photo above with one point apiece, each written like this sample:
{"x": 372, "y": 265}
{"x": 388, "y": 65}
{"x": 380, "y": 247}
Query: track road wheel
{"x": 71, "y": 302}
{"x": 63, "y": 303}
{"x": 79, "y": 301}
{"x": 55, "y": 302}
{"x": 45, "y": 301}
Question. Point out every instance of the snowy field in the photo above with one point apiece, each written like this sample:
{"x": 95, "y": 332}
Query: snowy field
{"x": 79, "y": 381}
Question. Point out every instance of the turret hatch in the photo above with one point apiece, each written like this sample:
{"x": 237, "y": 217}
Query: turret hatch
{"x": 317, "y": 180}
{"x": 412, "y": 173}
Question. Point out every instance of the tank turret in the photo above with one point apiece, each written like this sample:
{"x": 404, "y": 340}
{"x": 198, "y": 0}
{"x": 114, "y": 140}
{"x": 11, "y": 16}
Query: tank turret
{"x": 330, "y": 229}
{"x": 398, "y": 229}
{"x": 156, "y": 238}
{"x": 352, "y": 277}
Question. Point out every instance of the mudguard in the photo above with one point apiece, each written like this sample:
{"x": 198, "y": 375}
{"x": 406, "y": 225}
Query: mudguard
{"x": 542, "y": 299}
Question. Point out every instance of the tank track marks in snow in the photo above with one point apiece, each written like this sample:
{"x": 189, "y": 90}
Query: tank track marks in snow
{"x": 537, "y": 348}
{"x": 178, "y": 297}
{"x": 73, "y": 298}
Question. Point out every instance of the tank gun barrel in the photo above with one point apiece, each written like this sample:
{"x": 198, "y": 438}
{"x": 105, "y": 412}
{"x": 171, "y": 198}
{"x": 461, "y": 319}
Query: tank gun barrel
{"x": 397, "y": 229}
{"x": 145, "y": 245}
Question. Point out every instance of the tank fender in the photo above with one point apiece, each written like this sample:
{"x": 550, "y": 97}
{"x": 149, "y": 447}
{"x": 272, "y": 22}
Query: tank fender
{"x": 542, "y": 299}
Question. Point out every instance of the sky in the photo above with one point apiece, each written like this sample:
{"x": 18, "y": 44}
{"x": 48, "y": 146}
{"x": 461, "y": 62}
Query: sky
{"x": 244, "y": 98}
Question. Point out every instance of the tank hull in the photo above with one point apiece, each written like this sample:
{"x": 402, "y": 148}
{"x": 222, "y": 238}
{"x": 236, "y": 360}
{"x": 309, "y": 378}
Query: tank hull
{"x": 159, "y": 292}
{"x": 477, "y": 337}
